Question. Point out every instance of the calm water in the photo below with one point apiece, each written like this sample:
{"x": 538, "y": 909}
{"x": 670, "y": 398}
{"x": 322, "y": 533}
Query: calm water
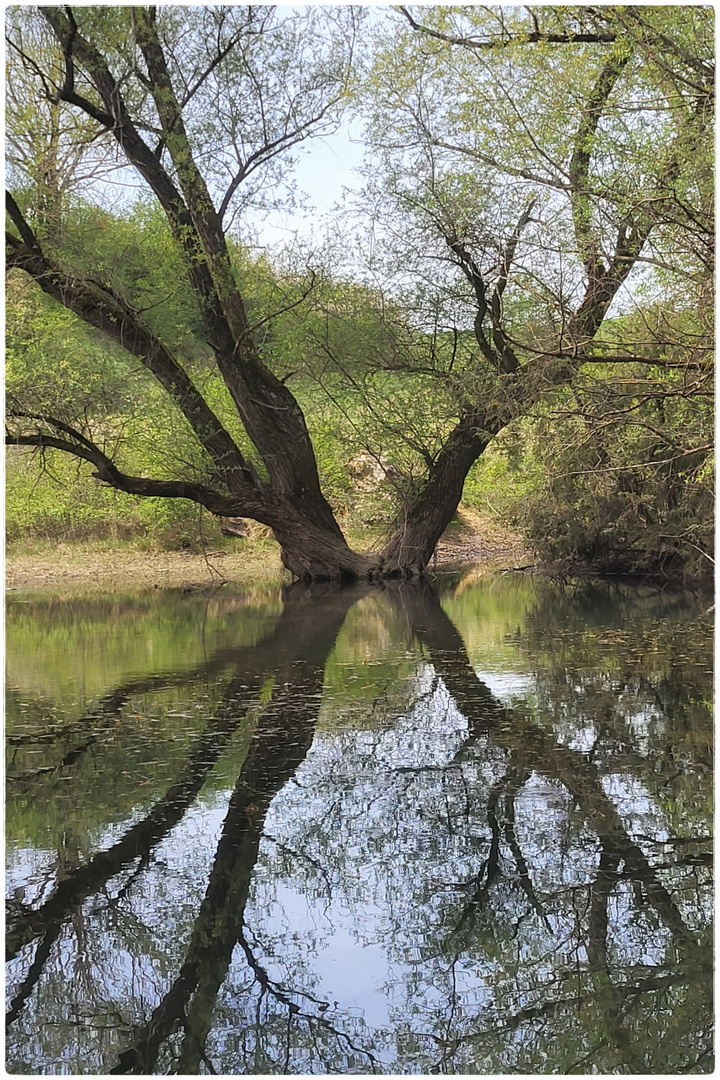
{"x": 404, "y": 831}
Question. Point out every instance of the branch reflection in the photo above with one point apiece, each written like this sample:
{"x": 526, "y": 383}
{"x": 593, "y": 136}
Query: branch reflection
{"x": 521, "y": 916}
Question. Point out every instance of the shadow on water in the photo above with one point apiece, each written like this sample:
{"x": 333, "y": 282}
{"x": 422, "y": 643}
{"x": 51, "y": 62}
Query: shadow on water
{"x": 544, "y": 900}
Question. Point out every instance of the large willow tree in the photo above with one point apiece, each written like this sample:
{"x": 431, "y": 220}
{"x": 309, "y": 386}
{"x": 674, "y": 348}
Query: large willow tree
{"x": 547, "y": 159}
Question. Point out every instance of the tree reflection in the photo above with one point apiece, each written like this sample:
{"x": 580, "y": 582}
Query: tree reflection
{"x": 538, "y": 914}
{"x": 277, "y": 747}
{"x": 294, "y": 655}
{"x": 621, "y": 997}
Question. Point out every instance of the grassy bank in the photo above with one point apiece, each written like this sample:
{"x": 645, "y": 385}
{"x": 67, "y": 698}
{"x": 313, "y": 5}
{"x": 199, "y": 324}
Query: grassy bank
{"x": 471, "y": 538}
{"x": 46, "y": 562}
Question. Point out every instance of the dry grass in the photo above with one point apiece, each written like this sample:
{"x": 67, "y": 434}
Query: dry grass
{"x": 123, "y": 564}
{"x": 472, "y": 538}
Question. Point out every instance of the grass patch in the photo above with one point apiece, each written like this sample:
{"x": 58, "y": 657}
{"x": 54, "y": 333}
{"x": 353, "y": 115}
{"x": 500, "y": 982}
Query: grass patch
{"x": 37, "y": 562}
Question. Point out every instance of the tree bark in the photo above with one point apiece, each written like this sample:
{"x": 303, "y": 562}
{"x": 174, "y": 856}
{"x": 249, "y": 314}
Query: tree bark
{"x": 312, "y": 552}
{"x": 410, "y": 549}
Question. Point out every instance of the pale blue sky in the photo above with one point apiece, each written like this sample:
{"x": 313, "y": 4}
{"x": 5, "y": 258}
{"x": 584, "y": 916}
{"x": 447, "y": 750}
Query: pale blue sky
{"x": 324, "y": 167}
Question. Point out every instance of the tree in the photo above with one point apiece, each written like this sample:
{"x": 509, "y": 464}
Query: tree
{"x": 546, "y": 177}
{"x": 172, "y": 69}
{"x": 205, "y": 103}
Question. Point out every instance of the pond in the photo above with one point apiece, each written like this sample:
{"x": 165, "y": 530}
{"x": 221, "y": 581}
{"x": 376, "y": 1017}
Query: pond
{"x": 463, "y": 828}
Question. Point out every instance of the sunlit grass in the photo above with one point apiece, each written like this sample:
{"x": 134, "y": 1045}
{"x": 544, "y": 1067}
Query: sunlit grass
{"x": 44, "y": 562}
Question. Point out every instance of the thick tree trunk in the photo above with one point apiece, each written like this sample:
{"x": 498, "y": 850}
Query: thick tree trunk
{"x": 411, "y": 548}
{"x": 312, "y": 551}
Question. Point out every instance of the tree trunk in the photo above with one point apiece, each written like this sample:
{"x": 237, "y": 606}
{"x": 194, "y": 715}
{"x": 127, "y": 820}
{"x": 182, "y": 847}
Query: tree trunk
{"x": 314, "y": 552}
{"x": 411, "y": 548}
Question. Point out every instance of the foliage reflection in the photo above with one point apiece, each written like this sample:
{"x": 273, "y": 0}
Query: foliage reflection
{"x": 366, "y": 859}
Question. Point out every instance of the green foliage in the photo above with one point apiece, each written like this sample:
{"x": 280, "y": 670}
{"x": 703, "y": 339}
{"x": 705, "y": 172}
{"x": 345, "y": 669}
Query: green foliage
{"x": 465, "y": 132}
{"x": 507, "y": 475}
{"x": 468, "y": 127}
{"x": 53, "y": 363}
{"x": 133, "y": 252}
{"x": 55, "y": 497}
{"x": 618, "y": 474}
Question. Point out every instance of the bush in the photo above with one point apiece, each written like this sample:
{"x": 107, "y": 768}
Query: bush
{"x": 58, "y": 500}
{"x": 617, "y": 496}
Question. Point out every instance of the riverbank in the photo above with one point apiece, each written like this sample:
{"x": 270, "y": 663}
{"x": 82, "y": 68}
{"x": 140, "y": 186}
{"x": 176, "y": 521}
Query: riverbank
{"x": 472, "y": 538}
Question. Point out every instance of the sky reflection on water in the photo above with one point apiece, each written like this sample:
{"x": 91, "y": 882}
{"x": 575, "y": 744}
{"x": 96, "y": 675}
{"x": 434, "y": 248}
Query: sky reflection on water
{"x": 399, "y": 831}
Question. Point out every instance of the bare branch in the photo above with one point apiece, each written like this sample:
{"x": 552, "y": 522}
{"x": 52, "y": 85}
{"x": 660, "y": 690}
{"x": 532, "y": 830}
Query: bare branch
{"x": 80, "y": 446}
{"x": 567, "y": 37}
{"x": 472, "y": 272}
{"x": 269, "y": 150}
{"x": 287, "y": 307}
{"x": 508, "y": 359}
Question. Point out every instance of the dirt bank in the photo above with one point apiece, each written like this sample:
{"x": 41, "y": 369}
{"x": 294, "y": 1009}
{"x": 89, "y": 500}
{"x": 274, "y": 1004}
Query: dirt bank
{"x": 478, "y": 538}
{"x": 471, "y": 538}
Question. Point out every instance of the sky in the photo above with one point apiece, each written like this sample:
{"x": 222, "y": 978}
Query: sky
{"x": 324, "y": 168}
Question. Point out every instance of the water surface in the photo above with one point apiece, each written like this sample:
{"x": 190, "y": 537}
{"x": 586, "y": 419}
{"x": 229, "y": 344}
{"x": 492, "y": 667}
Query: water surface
{"x": 454, "y": 830}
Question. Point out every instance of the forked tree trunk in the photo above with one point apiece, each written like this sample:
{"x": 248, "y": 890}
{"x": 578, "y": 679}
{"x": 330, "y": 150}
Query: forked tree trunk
{"x": 315, "y": 550}
{"x": 312, "y": 551}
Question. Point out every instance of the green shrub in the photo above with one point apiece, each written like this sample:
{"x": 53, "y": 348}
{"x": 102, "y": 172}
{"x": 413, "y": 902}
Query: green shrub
{"x": 55, "y": 498}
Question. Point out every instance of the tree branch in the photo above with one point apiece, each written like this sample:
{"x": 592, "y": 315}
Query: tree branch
{"x": 80, "y": 446}
{"x": 510, "y": 170}
{"x": 472, "y": 272}
{"x": 508, "y": 359}
{"x": 287, "y": 307}
{"x": 101, "y": 308}
{"x": 580, "y": 162}
{"x": 269, "y": 150}
{"x": 633, "y": 234}
{"x": 565, "y": 38}
{"x": 116, "y": 120}
{"x": 27, "y": 234}
{"x": 206, "y": 220}
{"x": 270, "y": 413}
